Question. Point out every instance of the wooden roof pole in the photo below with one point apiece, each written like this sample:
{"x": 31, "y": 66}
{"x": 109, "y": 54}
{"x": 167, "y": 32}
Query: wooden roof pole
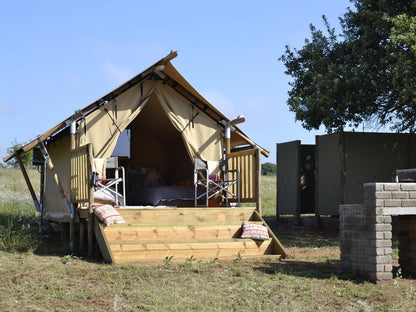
{"x": 93, "y": 105}
{"x": 29, "y": 184}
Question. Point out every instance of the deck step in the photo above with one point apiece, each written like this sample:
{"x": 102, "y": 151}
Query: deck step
{"x": 184, "y": 215}
{"x": 220, "y": 248}
{"x": 158, "y": 232}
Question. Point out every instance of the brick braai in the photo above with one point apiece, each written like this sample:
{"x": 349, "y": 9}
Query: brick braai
{"x": 366, "y": 231}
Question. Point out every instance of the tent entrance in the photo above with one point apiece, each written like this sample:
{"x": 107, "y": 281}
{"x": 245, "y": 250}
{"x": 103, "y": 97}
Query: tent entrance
{"x": 156, "y": 145}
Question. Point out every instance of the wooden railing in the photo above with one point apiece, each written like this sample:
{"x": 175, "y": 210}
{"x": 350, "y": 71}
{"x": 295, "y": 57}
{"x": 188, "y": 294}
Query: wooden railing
{"x": 248, "y": 164}
{"x": 81, "y": 174}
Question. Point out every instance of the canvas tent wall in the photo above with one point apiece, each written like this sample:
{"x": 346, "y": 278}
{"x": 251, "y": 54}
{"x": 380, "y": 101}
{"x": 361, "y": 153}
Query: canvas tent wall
{"x": 172, "y": 109}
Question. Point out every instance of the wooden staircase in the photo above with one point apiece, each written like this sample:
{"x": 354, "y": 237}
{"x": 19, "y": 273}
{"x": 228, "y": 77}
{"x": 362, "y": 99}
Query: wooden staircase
{"x": 152, "y": 234}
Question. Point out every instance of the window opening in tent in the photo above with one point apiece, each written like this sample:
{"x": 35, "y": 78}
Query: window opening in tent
{"x": 122, "y": 148}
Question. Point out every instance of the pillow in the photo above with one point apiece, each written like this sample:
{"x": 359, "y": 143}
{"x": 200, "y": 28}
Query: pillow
{"x": 146, "y": 177}
{"x": 136, "y": 178}
{"x": 153, "y": 176}
{"x": 254, "y": 231}
{"x": 107, "y": 214}
{"x": 105, "y": 196}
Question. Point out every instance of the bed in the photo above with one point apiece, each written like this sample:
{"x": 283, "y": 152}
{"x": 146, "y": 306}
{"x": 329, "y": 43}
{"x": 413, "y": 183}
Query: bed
{"x": 167, "y": 195}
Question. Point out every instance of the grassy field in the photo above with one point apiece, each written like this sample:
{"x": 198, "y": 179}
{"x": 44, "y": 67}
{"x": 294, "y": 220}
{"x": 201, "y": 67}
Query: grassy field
{"x": 37, "y": 274}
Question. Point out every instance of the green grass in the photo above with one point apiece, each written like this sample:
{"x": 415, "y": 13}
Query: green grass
{"x": 19, "y": 222}
{"x": 268, "y": 196}
{"x": 36, "y": 275}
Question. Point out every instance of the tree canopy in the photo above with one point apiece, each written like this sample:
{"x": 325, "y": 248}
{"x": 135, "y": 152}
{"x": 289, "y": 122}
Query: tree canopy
{"x": 403, "y": 32}
{"x": 367, "y": 73}
{"x": 26, "y": 157}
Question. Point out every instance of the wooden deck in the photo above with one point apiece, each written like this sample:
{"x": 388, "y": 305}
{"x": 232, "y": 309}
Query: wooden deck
{"x": 152, "y": 234}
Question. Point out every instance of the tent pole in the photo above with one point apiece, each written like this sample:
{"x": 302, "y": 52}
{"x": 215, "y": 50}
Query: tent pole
{"x": 227, "y": 138}
{"x": 29, "y": 184}
{"x": 72, "y": 222}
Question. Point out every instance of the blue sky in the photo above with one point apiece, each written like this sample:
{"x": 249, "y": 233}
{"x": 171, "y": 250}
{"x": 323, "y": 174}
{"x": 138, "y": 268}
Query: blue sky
{"x": 59, "y": 56}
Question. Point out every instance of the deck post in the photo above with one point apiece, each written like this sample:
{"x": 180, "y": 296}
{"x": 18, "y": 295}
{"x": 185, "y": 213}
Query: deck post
{"x": 73, "y": 131}
{"x": 90, "y": 233}
{"x": 258, "y": 180}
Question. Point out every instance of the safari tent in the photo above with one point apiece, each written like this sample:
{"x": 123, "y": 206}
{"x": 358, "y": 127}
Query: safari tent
{"x": 166, "y": 128}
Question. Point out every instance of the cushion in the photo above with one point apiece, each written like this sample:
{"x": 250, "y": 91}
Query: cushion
{"x": 107, "y": 197}
{"x": 108, "y": 214}
{"x": 254, "y": 231}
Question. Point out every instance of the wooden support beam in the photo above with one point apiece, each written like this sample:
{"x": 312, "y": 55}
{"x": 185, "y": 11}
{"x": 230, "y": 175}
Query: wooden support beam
{"x": 81, "y": 235}
{"x": 28, "y": 183}
{"x": 91, "y": 217}
{"x": 277, "y": 245}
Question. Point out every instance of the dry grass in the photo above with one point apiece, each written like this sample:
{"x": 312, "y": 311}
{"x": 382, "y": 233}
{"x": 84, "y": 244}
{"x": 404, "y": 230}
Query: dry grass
{"x": 44, "y": 279}
{"x": 31, "y": 282}
{"x": 18, "y": 218}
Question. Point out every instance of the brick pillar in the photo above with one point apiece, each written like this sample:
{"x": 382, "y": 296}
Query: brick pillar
{"x": 365, "y": 242}
{"x": 407, "y": 245}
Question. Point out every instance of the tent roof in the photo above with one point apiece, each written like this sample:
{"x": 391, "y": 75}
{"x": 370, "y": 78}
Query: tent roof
{"x": 161, "y": 70}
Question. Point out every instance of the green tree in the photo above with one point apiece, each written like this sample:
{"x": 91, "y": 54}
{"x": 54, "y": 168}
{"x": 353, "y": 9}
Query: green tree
{"x": 357, "y": 76}
{"x": 268, "y": 169}
{"x": 403, "y": 33}
{"x": 26, "y": 157}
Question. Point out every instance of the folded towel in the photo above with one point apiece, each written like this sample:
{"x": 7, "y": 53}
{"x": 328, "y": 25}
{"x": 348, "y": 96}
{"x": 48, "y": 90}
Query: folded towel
{"x": 213, "y": 170}
{"x": 99, "y": 166}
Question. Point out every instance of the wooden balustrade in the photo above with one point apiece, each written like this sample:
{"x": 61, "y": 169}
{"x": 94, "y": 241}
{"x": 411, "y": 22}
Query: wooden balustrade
{"x": 248, "y": 165}
{"x": 81, "y": 189}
